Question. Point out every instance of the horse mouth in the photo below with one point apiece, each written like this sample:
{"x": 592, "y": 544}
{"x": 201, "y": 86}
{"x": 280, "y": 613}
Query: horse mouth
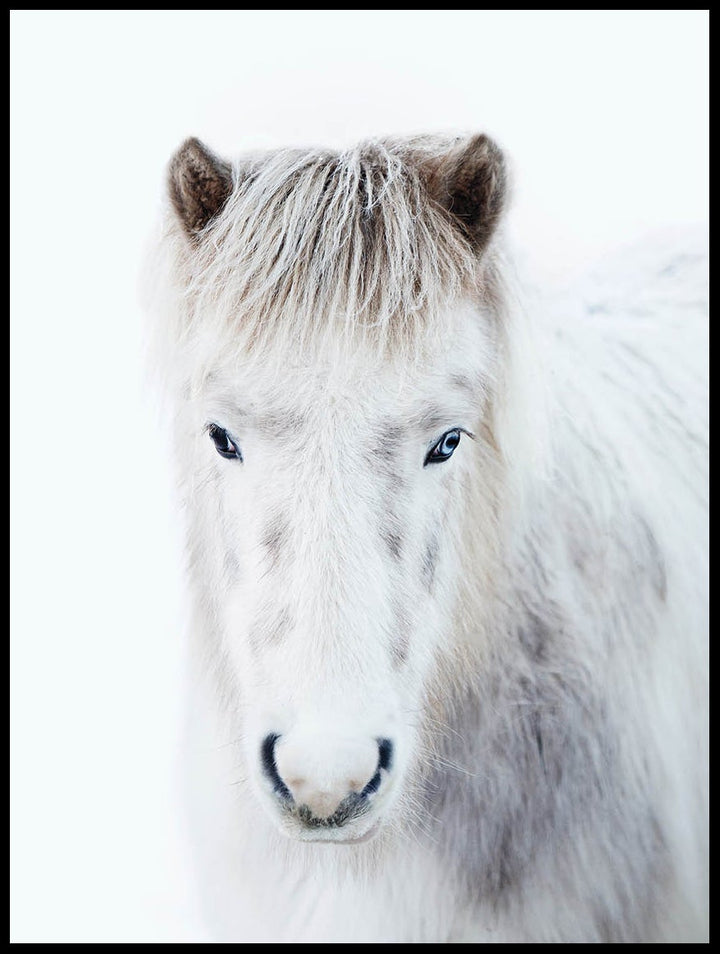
{"x": 333, "y": 835}
{"x": 350, "y": 823}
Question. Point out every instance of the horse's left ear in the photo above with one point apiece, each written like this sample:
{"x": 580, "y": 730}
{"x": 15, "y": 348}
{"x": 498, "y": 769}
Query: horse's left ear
{"x": 199, "y": 184}
{"x": 470, "y": 182}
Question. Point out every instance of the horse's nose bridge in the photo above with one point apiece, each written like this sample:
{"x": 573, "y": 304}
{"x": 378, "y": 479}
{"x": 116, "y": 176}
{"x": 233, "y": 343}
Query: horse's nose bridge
{"x": 342, "y": 599}
{"x": 337, "y": 517}
{"x": 335, "y": 579}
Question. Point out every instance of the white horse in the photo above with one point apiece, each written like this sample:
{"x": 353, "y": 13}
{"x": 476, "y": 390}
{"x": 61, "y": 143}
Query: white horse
{"x": 448, "y": 576}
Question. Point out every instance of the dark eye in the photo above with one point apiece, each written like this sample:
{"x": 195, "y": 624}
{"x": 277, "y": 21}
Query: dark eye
{"x": 223, "y": 445}
{"x": 444, "y": 448}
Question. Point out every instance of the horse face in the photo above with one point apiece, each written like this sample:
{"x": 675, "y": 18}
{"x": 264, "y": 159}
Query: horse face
{"x": 331, "y": 494}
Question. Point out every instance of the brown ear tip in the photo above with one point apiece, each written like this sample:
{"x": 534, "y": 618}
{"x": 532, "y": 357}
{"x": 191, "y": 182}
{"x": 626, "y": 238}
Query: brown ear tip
{"x": 485, "y": 149}
{"x": 190, "y": 154}
{"x": 192, "y": 146}
{"x": 192, "y": 142}
{"x": 199, "y": 183}
{"x": 481, "y": 140}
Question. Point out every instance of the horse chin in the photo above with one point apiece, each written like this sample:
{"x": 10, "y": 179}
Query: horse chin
{"x": 337, "y": 836}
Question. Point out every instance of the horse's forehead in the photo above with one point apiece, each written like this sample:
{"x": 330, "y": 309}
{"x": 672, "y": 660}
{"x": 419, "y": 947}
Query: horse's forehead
{"x": 457, "y": 363}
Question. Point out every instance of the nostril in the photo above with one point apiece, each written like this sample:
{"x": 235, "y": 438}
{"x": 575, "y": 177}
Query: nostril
{"x": 385, "y": 748}
{"x": 267, "y": 756}
{"x": 385, "y": 753}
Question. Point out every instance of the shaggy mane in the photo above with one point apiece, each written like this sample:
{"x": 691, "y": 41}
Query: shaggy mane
{"x": 337, "y": 243}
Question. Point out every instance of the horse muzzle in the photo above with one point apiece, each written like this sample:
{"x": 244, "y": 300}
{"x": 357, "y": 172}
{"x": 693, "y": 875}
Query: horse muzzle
{"x": 327, "y": 787}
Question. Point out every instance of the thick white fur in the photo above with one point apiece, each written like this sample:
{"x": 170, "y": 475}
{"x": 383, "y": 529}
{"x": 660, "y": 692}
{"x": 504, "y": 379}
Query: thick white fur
{"x": 549, "y": 708}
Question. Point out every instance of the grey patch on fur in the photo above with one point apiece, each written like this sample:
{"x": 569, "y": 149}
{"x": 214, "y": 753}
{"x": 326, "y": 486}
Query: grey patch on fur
{"x": 548, "y": 773}
{"x": 263, "y": 633}
{"x": 429, "y": 563}
{"x": 636, "y": 901}
{"x": 284, "y": 426}
{"x": 432, "y": 418}
{"x": 231, "y": 564}
{"x": 401, "y": 640}
{"x": 394, "y": 542}
{"x": 636, "y": 560}
{"x": 463, "y": 383}
{"x": 656, "y": 562}
{"x": 385, "y": 451}
{"x": 535, "y": 636}
{"x": 274, "y": 538}
{"x": 279, "y": 628}
{"x": 388, "y": 440}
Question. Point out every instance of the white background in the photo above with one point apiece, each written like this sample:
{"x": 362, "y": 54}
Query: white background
{"x": 605, "y": 117}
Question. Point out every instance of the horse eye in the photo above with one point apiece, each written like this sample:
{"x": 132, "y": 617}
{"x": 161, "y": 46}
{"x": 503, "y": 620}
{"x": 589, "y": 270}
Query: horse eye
{"x": 223, "y": 445}
{"x": 444, "y": 448}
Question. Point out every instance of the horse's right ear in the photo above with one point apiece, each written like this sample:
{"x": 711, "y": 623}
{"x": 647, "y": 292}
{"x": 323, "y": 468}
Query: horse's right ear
{"x": 199, "y": 184}
{"x": 470, "y": 182}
